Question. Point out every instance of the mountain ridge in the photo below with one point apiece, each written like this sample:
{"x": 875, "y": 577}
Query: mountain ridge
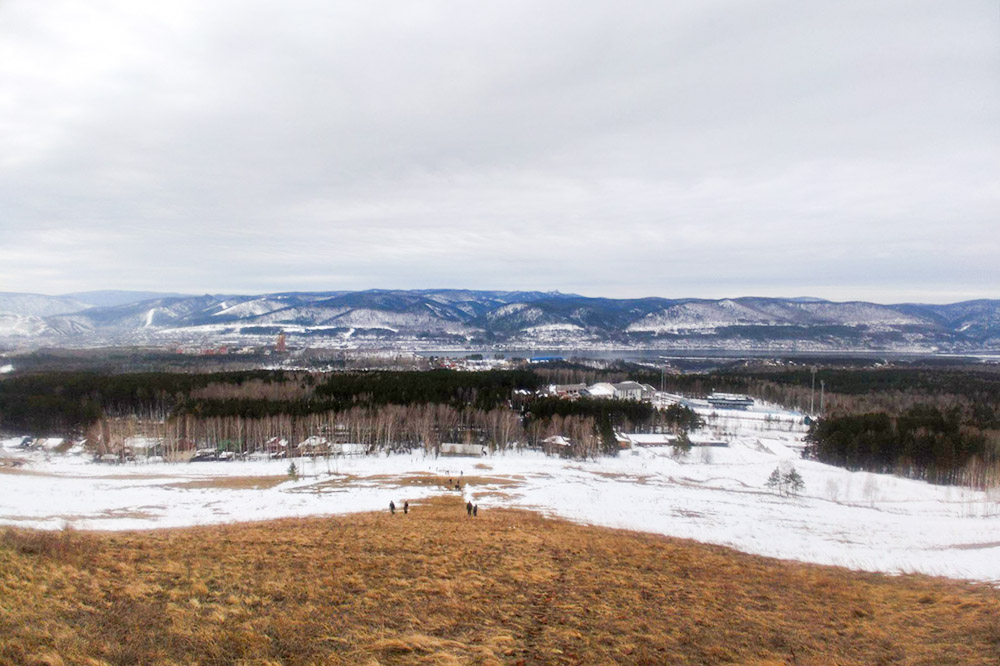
{"x": 494, "y": 318}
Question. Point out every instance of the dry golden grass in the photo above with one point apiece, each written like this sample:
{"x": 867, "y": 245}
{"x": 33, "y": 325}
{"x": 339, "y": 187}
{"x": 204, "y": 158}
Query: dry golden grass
{"x": 618, "y": 476}
{"x": 436, "y": 480}
{"x": 437, "y": 587}
{"x": 233, "y": 482}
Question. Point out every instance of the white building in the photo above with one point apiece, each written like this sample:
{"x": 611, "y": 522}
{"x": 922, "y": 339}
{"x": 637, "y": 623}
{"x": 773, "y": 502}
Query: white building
{"x": 628, "y": 390}
{"x": 601, "y": 390}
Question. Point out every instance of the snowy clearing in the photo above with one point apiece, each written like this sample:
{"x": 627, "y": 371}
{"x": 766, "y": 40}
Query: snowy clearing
{"x": 715, "y": 495}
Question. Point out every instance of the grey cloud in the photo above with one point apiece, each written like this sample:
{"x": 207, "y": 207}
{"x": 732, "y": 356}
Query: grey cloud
{"x": 700, "y": 148}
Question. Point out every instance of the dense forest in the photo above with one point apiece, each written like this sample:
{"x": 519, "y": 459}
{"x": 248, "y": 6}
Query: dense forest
{"x": 252, "y": 410}
{"x": 928, "y": 421}
{"x": 921, "y": 442}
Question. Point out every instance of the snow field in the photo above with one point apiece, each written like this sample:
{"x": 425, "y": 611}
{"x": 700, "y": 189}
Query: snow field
{"x": 714, "y": 494}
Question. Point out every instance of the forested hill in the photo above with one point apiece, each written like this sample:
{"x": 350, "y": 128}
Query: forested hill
{"x": 465, "y": 318}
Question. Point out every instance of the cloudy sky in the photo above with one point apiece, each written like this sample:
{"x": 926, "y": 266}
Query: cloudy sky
{"x": 846, "y": 150}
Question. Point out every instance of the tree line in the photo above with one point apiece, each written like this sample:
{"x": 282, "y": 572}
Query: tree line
{"x": 382, "y": 410}
{"x": 922, "y": 442}
{"x": 64, "y": 403}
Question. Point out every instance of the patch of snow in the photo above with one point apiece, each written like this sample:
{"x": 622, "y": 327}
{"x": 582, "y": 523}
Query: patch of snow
{"x": 16, "y": 325}
{"x": 252, "y": 308}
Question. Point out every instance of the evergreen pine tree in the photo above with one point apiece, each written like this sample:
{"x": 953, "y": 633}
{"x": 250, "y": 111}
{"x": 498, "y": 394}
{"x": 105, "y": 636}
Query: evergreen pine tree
{"x": 608, "y": 441}
{"x": 776, "y": 482}
{"x": 682, "y": 446}
{"x": 793, "y": 482}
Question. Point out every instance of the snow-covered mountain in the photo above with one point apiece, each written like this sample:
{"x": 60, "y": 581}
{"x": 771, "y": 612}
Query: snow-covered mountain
{"x": 39, "y": 305}
{"x": 111, "y": 297}
{"x": 429, "y": 318}
{"x": 710, "y": 316}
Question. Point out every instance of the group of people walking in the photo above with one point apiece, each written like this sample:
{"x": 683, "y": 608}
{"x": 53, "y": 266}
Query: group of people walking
{"x": 471, "y": 509}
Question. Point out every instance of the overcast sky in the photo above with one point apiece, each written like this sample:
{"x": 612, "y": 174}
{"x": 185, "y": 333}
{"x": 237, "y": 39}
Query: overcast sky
{"x": 846, "y": 150}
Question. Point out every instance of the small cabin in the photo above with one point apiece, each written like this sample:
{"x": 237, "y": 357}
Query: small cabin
{"x": 633, "y": 440}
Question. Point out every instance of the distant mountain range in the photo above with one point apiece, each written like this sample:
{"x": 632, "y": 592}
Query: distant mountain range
{"x": 452, "y": 318}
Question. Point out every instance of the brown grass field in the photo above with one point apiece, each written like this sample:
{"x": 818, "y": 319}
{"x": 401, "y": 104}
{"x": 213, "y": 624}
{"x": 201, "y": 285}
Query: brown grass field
{"x": 436, "y": 587}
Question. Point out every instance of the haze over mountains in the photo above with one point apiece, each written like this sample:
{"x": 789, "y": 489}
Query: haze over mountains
{"x": 428, "y": 318}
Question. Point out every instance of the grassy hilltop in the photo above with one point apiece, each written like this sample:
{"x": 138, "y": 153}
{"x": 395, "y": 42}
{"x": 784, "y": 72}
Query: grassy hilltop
{"x": 437, "y": 587}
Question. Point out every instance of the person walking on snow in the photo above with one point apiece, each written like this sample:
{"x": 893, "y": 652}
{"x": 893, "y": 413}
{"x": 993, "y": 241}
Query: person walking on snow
{"x": 392, "y": 507}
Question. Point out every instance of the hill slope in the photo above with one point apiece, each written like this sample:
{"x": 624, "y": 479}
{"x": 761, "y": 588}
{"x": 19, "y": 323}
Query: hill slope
{"x": 434, "y": 586}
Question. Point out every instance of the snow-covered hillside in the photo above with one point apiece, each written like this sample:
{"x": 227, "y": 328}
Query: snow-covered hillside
{"x": 429, "y": 320}
{"x": 38, "y": 305}
{"x": 249, "y": 308}
{"x": 702, "y": 317}
{"x": 16, "y": 325}
{"x": 708, "y": 316}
